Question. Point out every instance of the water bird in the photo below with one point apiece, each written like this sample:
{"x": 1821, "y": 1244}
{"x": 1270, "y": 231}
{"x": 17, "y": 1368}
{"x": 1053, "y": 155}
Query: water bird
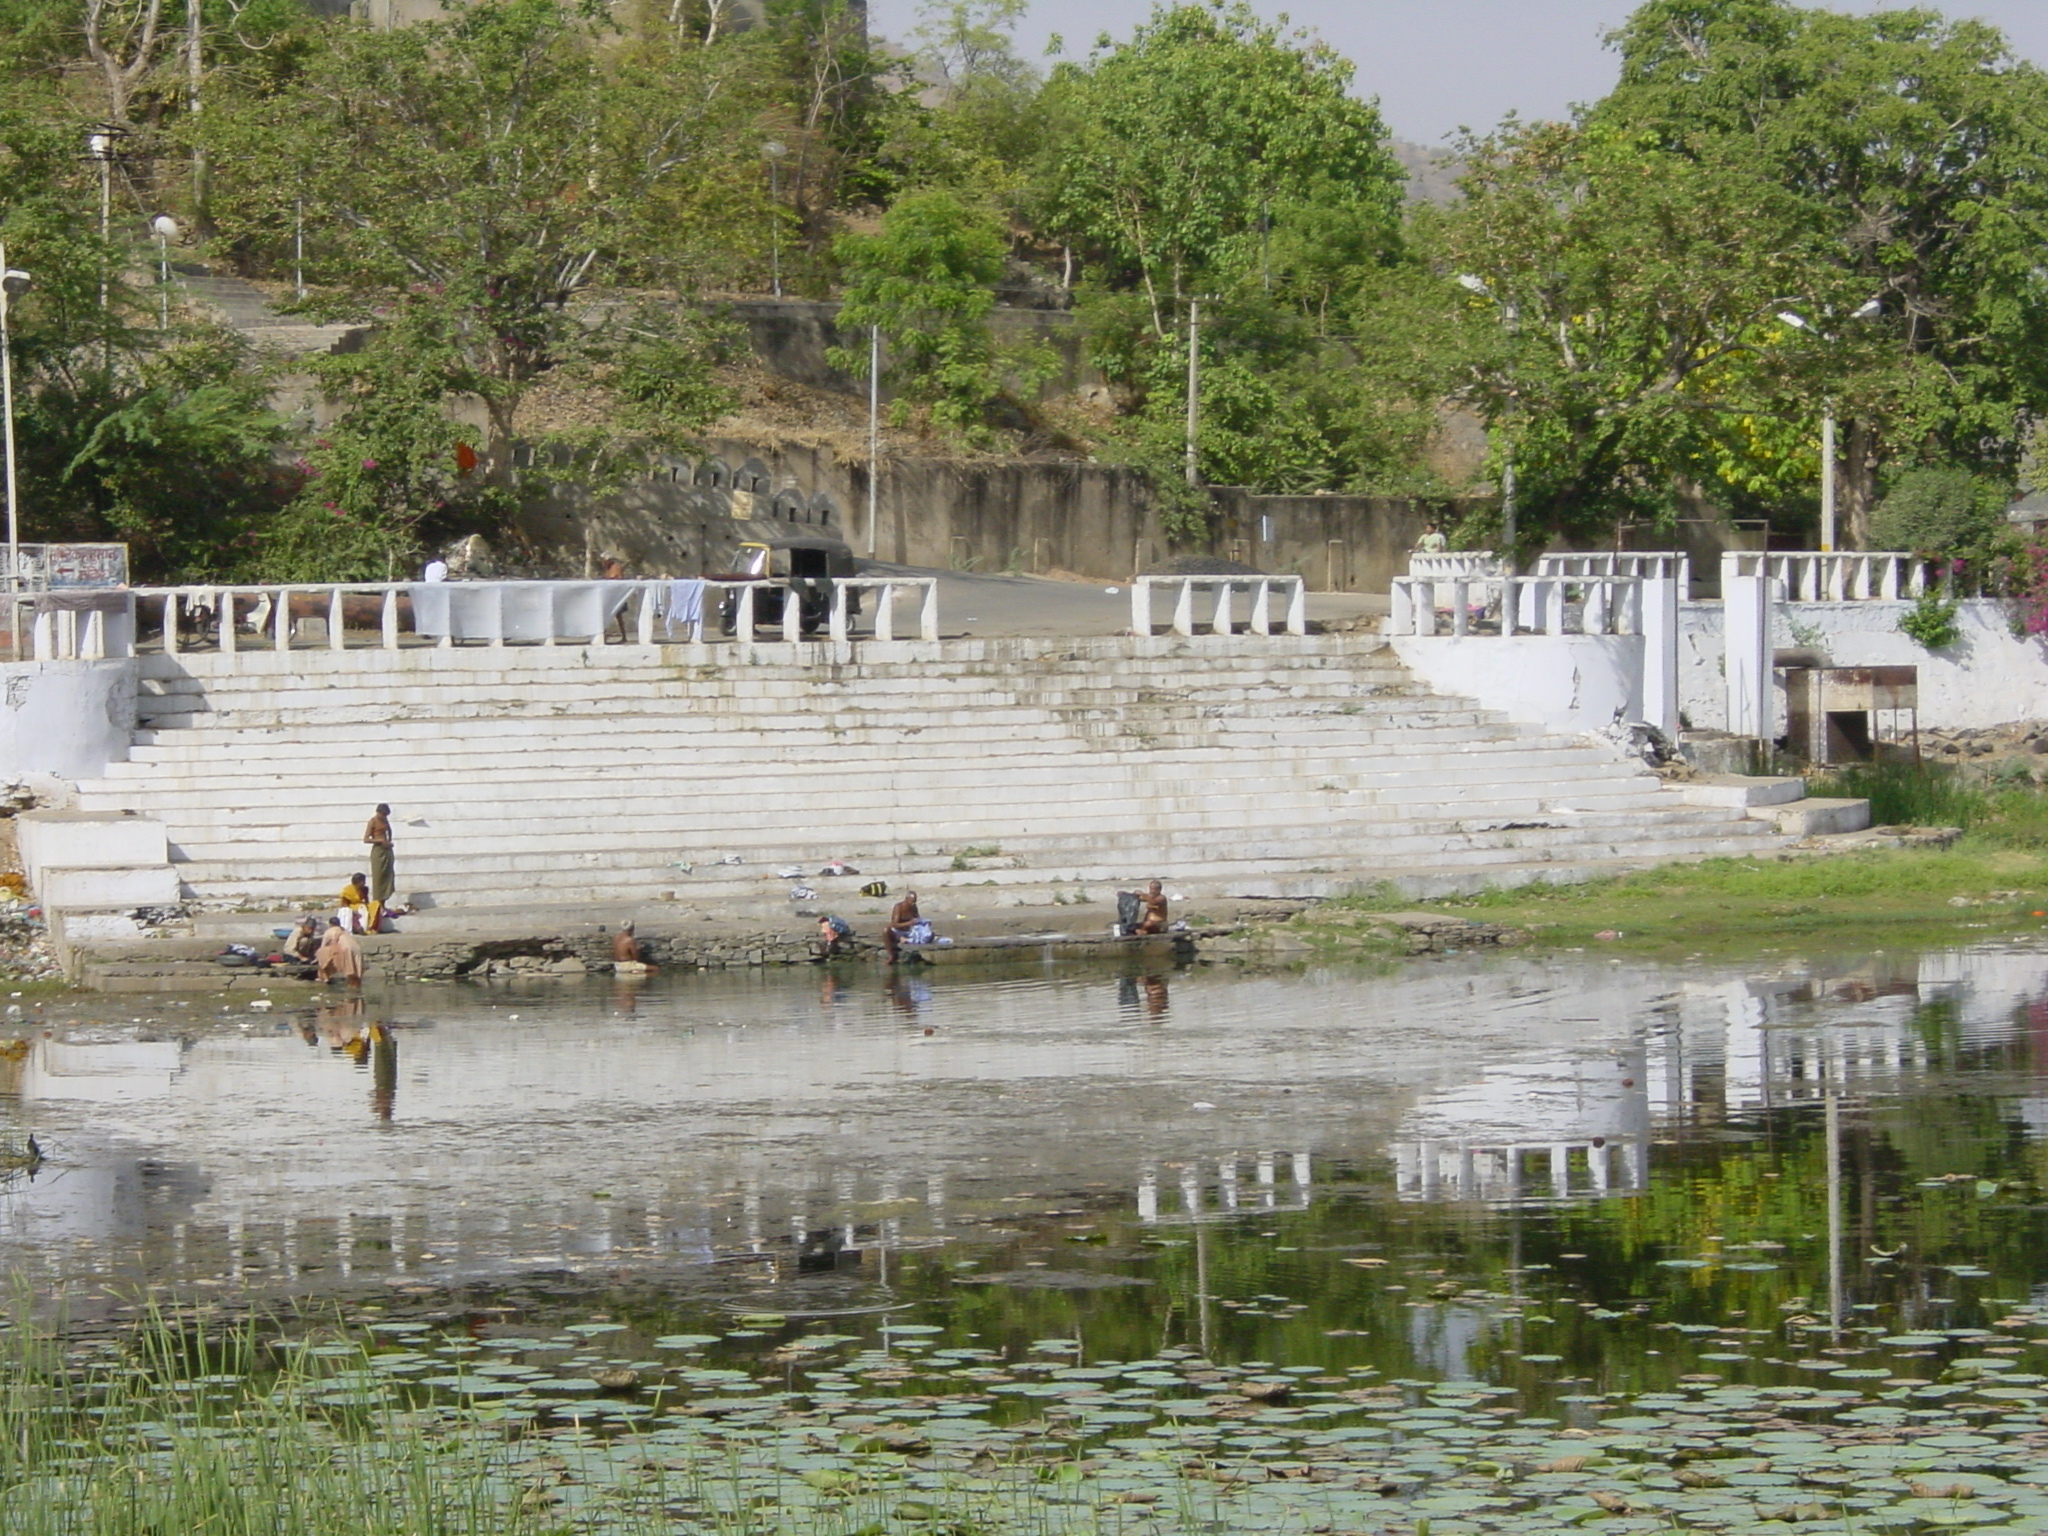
{"x": 35, "y": 1150}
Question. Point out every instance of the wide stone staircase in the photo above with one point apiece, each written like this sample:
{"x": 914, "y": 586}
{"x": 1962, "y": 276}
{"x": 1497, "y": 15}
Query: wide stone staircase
{"x": 1028, "y": 769}
{"x": 248, "y": 309}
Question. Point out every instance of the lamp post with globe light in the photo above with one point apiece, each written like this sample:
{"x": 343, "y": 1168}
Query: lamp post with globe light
{"x": 1868, "y": 310}
{"x": 1511, "y": 322}
{"x": 165, "y": 228}
{"x": 775, "y": 150}
{"x": 13, "y": 282}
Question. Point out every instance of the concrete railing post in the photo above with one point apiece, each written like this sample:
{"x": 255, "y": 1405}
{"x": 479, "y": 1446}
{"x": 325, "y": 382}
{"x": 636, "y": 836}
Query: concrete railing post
{"x": 388, "y": 621}
{"x": 835, "y": 625}
{"x": 1657, "y": 622}
{"x": 885, "y": 612}
{"x": 1224, "y": 620}
{"x": 1510, "y": 606}
{"x": 227, "y": 622}
{"x": 643, "y": 628}
{"x": 1262, "y": 608}
{"x": 337, "y": 620}
{"x": 1401, "y": 606}
{"x": 792, "y": 615}
{"x": 1297, "y": 606}
{"x": 170, "y": 623}
{"x": 1141, "y": 605}
{"x": 1746, "y": 600}
{"x": 1461, "y": 613}
{"x": 743, "y": 626}
{"x": 928, "y": 612}
{"x": 281, "y": 621}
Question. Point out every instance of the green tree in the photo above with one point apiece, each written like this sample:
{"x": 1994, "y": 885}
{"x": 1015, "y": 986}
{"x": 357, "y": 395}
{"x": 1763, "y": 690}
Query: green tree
{"x": 1945, "y": 513}
{"x": 1611, "y": 311}
{"x": 477, "y": 178}
{"x": 927, "y": 278}
{"x": 1915, "y": 152}
{"x": 1184, "y": 144}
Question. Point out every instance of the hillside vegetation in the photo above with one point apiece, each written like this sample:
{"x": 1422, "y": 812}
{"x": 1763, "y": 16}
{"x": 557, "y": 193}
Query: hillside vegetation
{"x": 537, "y": 207}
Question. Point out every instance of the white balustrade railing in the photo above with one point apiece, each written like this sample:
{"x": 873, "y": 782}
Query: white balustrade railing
{"x": 77, "y": 625}
{"x": 597, "y": 613}
{"x": 885, "y": 589}
{"x": 1649, "y": 566}
{"x": 1454, "y": 565}
{"x": 1516, "y": 605}
{"x": 1222, "y": 620}
{"x": 1809, "y": 576}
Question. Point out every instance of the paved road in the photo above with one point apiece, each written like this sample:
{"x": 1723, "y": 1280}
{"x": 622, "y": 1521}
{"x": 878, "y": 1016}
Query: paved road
{"x": 975, "y": 604}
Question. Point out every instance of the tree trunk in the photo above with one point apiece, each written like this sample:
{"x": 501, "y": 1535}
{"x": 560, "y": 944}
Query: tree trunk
{"x": 1858, "y": 484}
{"x": 195, "y": 79}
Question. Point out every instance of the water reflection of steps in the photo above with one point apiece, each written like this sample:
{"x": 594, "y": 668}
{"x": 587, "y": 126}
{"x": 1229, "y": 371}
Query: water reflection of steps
{"x": 1299, "y": 766}
{"x": 1199, "y": 1197}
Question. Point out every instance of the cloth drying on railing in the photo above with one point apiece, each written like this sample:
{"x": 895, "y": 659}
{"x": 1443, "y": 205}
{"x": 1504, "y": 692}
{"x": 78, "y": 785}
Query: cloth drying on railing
{"x": 516, "y": 610}
{"x": 683, "y": 607}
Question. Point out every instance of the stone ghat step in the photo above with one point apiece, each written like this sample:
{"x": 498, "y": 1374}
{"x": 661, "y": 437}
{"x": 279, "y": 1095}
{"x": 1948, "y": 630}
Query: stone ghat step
{"x": 821, "y": 744}
{"x": 1080, "y": 906}
{"x": 1429, "y": 873}
{"x": 659, "y": 852}
{"x": 337, "y": 718}
{"x": 962, "y": 794}
{"x": 906, "y": 795}
{"x": 1021, "y": 833}
{"x": 449, "y": 777}
{"x": 319, "y": 694}
{"x": 869, "y": 657}
{"x": 602, "y": 681}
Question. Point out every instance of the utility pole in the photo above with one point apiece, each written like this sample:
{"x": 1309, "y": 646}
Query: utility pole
{"x": 1194, "y": 386}
{"x": 874, "y": 427}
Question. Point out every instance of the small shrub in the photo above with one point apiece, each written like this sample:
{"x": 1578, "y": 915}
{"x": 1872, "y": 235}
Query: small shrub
{"x": 1932, "y": 621}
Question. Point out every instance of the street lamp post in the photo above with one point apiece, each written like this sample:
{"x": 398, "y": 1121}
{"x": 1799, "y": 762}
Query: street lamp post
{"x": 12, "y": 283}
{"x": 1511, "y": 321}
{"x": 165, "y": 228}
{"x": 1827, "y": 422}
{"x": 775, "y": 149}
{"x": 1194, "y": 468}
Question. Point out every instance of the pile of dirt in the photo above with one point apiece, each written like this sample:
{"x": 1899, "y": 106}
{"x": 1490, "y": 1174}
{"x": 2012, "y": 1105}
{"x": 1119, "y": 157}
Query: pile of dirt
{"x": 2011, "y": 752}
{"x": 1201, "y": 565}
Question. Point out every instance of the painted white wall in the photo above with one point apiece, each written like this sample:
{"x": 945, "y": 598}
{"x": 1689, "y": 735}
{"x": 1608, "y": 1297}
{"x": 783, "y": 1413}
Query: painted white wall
{"x": 1988, "y": 677}
{"x": 68, "y": 718}
{"x": 1563, "y": 682}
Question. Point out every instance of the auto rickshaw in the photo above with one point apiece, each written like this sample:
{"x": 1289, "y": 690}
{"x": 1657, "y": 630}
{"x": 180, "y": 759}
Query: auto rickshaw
{"x": 808, "y": 563}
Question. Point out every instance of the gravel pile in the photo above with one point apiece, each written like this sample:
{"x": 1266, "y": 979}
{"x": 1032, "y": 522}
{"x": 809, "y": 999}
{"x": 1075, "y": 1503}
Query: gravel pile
{"x": 1201, "y": 565}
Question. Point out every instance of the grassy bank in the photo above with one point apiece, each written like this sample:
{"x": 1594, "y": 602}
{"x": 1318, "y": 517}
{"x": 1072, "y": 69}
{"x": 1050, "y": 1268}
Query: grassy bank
{"x": 1994, "y": 878}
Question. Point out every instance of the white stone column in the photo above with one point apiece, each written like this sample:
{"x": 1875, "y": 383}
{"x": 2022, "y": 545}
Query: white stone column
{"x": 1746, "y": 601}
{"x": 1658, "y": 623}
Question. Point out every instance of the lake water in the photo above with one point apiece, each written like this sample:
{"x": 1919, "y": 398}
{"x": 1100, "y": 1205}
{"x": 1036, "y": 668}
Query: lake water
{"x": 1341, "y": 1237}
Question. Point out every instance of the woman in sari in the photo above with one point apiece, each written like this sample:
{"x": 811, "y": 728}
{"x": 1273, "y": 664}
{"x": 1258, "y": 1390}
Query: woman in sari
{"x": 340, "y": 957}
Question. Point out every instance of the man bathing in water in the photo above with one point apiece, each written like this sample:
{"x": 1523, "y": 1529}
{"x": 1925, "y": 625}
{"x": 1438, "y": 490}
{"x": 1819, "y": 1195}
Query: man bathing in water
{"x": 1153, "y": 904}
{"x": 902, "y": 918}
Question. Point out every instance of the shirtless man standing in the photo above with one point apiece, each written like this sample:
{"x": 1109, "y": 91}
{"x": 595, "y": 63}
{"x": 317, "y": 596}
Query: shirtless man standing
{"x": 1154, "y": 904}
{"x": 901, "y": 919}
{"x": 383, "y": 876}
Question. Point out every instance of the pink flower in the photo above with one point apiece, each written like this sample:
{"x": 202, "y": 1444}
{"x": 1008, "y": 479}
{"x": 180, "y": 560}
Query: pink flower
{"x": 369, "y": 463}
{"x": 328, "y": 505}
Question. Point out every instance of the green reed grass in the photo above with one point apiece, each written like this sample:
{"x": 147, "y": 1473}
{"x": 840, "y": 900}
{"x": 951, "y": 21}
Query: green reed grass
{"x": 184, "y": 1431}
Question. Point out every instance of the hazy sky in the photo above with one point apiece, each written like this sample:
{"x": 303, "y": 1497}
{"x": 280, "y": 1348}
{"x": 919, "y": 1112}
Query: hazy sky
{"x": 1436, "y": 64}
